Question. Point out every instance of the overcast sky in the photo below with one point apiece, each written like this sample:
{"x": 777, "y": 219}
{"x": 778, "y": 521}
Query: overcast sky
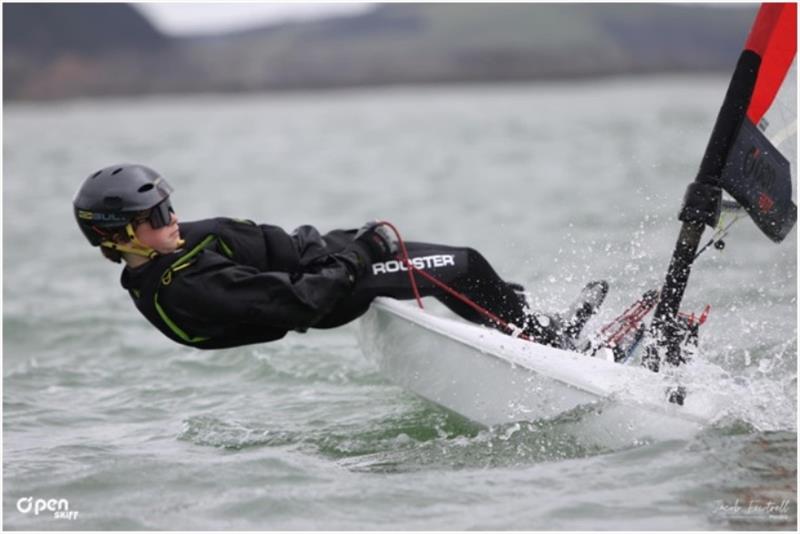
{"x": 181, "y": 18}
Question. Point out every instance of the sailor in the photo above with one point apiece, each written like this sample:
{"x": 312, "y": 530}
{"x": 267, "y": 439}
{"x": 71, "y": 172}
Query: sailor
{"x": 221, "y": 282}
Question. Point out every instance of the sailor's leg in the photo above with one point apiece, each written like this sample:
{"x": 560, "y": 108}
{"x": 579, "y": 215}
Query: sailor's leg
{"x": 477, "y": 280}
{"x": 463, "y": 269}
{"x": 391, "y": 279}
{"x": 481, "y": 283}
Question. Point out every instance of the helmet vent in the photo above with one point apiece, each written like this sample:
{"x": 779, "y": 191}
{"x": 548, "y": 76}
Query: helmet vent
{"x": 145, "y": 188}
{"x": 95, "y": 175}
{"x": 117, "y": 171}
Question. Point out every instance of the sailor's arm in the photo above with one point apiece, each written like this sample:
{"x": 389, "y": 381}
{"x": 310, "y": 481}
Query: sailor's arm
{"x": 222, "y": 291}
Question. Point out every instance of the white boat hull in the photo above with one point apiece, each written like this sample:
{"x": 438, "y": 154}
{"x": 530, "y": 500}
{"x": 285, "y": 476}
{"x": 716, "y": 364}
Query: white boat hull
{"x": 491, "y": 378}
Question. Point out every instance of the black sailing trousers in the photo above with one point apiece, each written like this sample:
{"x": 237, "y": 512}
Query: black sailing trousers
{"x": 463, "y": 269}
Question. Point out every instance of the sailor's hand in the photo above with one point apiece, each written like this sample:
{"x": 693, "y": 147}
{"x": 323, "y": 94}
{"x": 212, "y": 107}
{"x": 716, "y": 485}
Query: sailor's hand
{"x": 379, "y": 240}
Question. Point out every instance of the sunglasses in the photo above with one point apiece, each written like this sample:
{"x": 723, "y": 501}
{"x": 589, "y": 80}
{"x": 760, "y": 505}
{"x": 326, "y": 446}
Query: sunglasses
{"x": 158, "y": 216}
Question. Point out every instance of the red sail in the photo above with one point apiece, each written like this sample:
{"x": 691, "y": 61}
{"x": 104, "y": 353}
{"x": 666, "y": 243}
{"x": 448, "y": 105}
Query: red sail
{"x": 774, "y": 38}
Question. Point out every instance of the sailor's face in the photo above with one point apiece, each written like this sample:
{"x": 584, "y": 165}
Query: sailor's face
{"x": 163, "y": 240}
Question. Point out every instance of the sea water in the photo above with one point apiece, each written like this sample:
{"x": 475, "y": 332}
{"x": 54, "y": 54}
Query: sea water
{"x": 109, "y": 425}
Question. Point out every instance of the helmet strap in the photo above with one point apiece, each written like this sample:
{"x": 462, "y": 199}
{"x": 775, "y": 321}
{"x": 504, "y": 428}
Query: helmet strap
{"x": 134, "y": 246}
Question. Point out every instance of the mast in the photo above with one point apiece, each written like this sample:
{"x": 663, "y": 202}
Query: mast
{"x": 774, "y": 36}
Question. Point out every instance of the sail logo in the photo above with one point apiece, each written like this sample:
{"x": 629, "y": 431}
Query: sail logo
{"x": 422, "y": 262}
{"x": 757, "y": 168}
{"x": 59, "y": 507}
{"x": 765, "y": 202}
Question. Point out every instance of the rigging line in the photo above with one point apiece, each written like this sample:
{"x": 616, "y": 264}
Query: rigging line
{"x": 511, "y": 328}
{"x": 719, "y": 234}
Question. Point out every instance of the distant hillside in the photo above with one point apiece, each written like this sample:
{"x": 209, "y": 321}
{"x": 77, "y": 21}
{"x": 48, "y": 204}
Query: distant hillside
{"x": 91, "y": 29}
{"x": 392, "y": 44}
{"x": 68, "y": 50}
{"x": 400, "y": 43}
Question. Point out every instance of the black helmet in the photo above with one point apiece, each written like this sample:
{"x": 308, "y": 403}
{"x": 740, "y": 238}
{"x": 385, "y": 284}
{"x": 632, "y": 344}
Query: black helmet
{"x": 111, "y": 198}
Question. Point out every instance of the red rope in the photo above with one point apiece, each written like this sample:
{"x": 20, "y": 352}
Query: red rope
{"x": 627, "y": 321}
{"x": 412, "y": 270}
{"x": 406, "y": 260}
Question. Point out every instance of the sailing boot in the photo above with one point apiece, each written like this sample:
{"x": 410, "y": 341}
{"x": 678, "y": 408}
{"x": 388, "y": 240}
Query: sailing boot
{"x": 523, "y": 295}
{"x": 586, "y": 305}
{"x": 544, "y": 328}
{"x": 562, "y": 330}
{"x": 547, "y": 329}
